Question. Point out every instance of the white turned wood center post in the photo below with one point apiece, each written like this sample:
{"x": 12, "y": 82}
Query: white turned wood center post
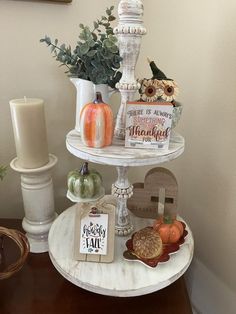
{"x": 122, "y": 190}
{"x": 38, "y": 200}
{"x": 129, "y": 33}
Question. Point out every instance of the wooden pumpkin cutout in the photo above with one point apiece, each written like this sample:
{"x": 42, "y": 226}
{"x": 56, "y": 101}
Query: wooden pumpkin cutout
{"x": 156, "y": 196}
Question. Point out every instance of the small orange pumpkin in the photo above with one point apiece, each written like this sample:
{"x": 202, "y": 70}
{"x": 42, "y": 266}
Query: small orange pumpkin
{"x": 96, "y": 123}
{"x": 170, "y": 230}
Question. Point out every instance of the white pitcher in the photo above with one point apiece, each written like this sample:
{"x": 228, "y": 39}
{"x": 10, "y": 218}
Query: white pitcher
{"x": 86, "y": 92}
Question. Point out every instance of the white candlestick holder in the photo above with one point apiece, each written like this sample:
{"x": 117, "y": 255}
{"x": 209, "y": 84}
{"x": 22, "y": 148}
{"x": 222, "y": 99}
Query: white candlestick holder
{"x": 38, "y": 200}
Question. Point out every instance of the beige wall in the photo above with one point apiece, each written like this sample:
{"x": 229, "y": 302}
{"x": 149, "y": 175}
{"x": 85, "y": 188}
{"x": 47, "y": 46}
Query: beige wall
{"x": 193, "y": 42}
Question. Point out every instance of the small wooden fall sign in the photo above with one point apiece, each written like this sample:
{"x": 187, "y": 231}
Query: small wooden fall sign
{"x": 95, "y": 232}
{"x": 148, "y": 125}
{"x": 93, "y": 238}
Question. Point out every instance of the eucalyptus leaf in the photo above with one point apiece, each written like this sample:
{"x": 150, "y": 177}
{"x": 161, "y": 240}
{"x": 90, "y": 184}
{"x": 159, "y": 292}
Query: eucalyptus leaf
{"x": 102, "y": 37}
{"x": 117, "y": 59}
{"x": 91, "y": 53}
{"x": 84, "y": 48}
{"x": 95, "y": 37}
{"x": 107, "y": 43}
{"x": 113, "y": 38}
{"x": 108, "y": 11}
{"x": 63, "y": 47}
{"x": 109, "y": 31}
{"x": 111, "y": 18}
{"x": 48, "y": 40}
{"x": 91, "y": 43}
{"x": 82, "y": 36}
{"x": 114, "y": 49}
{"x": 106, "y": 25}
{"x": 95, "y": 24}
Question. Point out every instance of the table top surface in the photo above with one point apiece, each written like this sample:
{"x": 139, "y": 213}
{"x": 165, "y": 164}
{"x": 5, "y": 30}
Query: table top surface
{"x": 120, "y": 278}
{"x": 38, "y": 288}
{"x": 118, "y": 155}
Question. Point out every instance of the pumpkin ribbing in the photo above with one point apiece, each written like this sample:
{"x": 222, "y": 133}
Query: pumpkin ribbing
{"x": 170, "y": 230}
{"x": 84, "y": 183}
{"x": 96, "y": 124}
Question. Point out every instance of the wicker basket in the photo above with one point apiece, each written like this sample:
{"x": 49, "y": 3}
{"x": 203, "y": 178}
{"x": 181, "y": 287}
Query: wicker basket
{"x": 23, "y": 244}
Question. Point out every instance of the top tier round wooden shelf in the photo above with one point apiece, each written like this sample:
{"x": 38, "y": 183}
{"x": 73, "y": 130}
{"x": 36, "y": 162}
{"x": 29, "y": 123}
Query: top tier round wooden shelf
{"x": 118, "y": 155}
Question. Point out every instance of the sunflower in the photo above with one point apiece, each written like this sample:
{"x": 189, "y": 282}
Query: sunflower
{"x": 151, "y": 90}
{"x": 170, "y": 89}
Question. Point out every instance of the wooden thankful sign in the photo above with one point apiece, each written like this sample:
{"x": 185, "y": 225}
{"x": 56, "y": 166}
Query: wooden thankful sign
{"x": 148, "y": 125}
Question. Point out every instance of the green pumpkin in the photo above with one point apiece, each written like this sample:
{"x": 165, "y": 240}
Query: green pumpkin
{"x": 84, "y": 183}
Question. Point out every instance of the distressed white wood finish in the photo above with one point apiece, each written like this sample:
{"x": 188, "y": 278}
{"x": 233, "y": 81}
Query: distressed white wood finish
{"x": 118, "y": 155}
{"x": 129, "y": 31}
{"x": 120, "y": 278}
{"x": 38, "y": 199}
{"x": 121, "y": 157}
{"x": 122, "y": 190}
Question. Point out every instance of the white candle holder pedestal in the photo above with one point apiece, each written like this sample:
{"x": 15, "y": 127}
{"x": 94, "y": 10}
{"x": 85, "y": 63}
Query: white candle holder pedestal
{"x": 38, "y": 199}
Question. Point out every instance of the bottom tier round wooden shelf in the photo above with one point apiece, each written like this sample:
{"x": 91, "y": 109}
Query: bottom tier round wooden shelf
{"x": 120, "y": 278}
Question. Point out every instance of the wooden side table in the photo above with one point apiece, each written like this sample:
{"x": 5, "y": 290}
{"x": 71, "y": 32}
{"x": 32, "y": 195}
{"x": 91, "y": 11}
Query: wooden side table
{"x": 39, "y": 289}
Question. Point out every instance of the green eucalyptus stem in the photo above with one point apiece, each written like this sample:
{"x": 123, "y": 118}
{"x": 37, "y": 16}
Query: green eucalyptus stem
{"x": 96, "y": 55}
{"x": 62, "y": 51}
{"x": 56, "y": 47}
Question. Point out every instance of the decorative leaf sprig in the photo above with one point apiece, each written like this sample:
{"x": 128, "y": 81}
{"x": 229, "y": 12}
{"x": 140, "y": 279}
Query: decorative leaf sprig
{"x": 3, "y": 170}
{"x": 96, "y": 55}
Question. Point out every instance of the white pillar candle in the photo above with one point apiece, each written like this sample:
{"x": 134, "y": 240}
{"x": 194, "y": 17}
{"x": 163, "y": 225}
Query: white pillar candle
{"x": 29, "y": 128}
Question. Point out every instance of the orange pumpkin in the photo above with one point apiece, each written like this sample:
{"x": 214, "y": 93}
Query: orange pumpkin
{"x": 96, "y": 123}
{"x": 170, "y": 230}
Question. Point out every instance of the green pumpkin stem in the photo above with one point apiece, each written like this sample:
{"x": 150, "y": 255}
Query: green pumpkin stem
{"x": 167, "y": 220}
{"x": 84, "y": 169}
{"x": 98, "y": 99}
